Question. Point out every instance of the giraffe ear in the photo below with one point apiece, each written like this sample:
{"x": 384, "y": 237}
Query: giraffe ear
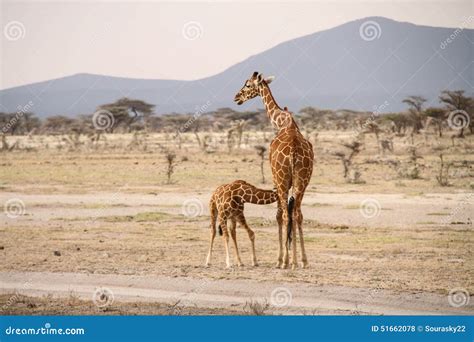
{"x": 258, "y": 80}
{"x": 269, "y": 79}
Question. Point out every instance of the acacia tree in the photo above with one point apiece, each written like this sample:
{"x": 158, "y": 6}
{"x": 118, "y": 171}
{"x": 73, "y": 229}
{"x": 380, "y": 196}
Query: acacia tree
{"x": 456, "y": 100}
{"x": 58, "y": 124}
{"x": 18, "y": 123}
{"x": 127, "y": 111}
{"x": 415, "y": 108}
{"x": 398, "y": 122}
{"x": 436, "y": 116}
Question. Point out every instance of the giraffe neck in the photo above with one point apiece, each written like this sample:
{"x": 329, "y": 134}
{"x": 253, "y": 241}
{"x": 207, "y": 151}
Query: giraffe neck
{"x": 280, "y": 118}
{"x": 259, "y": 196}
{"x": 271, "y": 106}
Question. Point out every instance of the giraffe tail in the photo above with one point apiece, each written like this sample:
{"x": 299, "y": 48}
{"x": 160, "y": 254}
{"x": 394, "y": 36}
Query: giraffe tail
{"x": 291, "y": 205}
{"x": 220, "y": 230}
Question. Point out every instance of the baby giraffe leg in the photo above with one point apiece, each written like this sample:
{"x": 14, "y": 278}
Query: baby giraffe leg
{"x": 225, "y": 233}
{"x": 213, "y": 235}
{"x": 251, "y": 234}
{"x": 233, "y": 233}
{"x": 211, "y": 243}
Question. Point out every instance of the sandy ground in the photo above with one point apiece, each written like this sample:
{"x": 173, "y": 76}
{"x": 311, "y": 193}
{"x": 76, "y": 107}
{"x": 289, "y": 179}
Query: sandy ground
{"x": 395, "y": 210}
{"x": 108, "y": 218}
{"x": 334, "y": 284}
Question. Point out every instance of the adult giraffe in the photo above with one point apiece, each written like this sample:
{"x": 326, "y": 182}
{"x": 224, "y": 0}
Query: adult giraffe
{"x": 291, "y": 159}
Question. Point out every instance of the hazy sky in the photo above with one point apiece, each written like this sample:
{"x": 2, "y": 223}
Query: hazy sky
{"x": 176, "y": 40}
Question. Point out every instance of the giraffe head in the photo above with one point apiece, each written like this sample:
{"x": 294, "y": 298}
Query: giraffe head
{"x": 251, "y": 87}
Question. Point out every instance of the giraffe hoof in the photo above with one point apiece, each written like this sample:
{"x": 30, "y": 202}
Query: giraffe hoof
{"x": 278, "y": 264}
{"x": 255, "y": 264}
{"x": 284, "y": 266}
{"x": 305, "y": 264}
{"x": 241, "y": 265}
{"x": 294, "y": 266}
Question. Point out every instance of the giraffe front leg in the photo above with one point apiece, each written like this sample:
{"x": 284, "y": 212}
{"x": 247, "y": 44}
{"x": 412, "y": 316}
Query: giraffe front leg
{"x": 233, "y": 233}
{"x": 294, "y": 256}
{"x": 299, "y": 221}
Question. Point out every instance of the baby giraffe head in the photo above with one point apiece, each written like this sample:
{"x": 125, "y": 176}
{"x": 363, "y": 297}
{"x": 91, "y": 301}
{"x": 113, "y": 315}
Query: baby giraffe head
{"x": 251, "y": 87}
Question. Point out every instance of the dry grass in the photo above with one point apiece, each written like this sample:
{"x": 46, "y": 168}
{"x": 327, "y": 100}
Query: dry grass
{"x": 17, "y": 304}
{"x": 418, "y": 258}
{"x": 112, "y": 167}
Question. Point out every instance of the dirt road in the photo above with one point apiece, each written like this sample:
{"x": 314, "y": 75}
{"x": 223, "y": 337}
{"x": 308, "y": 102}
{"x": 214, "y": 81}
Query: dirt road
{"x": 285, "y": 298}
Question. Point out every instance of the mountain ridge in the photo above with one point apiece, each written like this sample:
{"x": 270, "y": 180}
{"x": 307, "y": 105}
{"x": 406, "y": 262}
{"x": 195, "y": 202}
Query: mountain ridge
{"x": 333, "y": 68}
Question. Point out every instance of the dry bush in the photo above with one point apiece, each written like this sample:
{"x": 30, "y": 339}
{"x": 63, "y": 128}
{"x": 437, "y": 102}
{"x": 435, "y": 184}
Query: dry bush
{"x": 256, "y": 308}
{"x": 170, "y": 159}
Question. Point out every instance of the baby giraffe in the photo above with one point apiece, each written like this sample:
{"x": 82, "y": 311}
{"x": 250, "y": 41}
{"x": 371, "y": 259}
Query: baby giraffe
{"x": 227, "y": 203}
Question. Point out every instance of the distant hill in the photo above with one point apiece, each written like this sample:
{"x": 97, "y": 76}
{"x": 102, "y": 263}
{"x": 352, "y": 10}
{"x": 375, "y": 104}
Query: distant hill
{"x": 331, "y": 69}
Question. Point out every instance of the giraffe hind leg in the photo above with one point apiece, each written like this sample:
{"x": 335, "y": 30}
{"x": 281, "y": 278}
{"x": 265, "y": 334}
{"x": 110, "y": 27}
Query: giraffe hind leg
{"x": 233, "y": 234}
{"x": 225, "y": 233}
{"x": 283, "y": 198}
{"x": 279, "y": 218}
{"x": 298, "y": 220}
{"x": 251, "y": 234}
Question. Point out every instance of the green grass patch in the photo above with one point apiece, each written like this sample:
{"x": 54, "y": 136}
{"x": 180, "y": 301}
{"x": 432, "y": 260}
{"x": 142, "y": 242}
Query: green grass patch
{"x": 149, "y": 216}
